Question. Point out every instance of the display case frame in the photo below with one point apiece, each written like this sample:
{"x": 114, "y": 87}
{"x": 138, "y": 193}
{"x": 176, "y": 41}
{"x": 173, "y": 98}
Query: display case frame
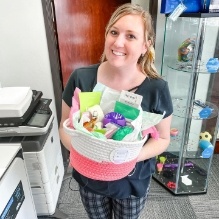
{"x": 189, "y": 43}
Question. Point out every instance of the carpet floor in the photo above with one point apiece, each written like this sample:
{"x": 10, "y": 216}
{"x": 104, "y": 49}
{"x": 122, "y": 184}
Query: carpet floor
{"x": 161, "y": 203}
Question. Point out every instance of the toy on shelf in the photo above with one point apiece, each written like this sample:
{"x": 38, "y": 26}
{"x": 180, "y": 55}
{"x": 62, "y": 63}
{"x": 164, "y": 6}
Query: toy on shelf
{"x": 212, "y": 65}
{"x": 160, "y": 163}
{"x": 185, "y": 51}
{"x": 174, "y": 132}
{"x": 171, "y": 185}
{"x": 206, "y": 110}
{"x": 162, "y": 159}
{"x": 186, "y": 180}
{"x": 175, "y": 165}
{"x": 159, "y": 167}
{"x": 205, "y": 144}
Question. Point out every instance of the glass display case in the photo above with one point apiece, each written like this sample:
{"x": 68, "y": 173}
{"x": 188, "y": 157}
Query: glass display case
{"x": 190, "y": 65}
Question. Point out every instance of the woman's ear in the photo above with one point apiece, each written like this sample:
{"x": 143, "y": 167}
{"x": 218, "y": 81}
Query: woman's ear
{"x": 144, "y": 49}
{"x": 146, "y": 46}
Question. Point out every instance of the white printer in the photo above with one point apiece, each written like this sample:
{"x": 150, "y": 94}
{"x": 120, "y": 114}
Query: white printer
{"x": 28, "y": 120}
{"x": 23, "y": 112}
{"x": 15, "y": 193}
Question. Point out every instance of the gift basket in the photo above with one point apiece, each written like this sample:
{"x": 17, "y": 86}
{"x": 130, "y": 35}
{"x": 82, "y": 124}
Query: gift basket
{"x": 108, "y": 129}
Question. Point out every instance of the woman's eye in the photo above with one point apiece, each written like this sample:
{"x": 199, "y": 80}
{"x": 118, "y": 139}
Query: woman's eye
{"x": 113, "y": 32}
{"x": 130, "y": 36}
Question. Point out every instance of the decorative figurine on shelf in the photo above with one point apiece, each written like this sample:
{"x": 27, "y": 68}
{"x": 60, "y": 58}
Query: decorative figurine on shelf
{"x": 186, "y": 180}
{"x": 205, "y": 136}
{"x": 174, "y": 132}
{"x": 185, "y": 51}
{"x": 162, "y": 159}
{"x": 175, "y": 165}
{"x": 160, "y": 164}
{"x": 205, "y": 113}
{"x": 171, "y": 185}
{"x": 205, "y": 144}
{"x": 212, "y": 65}
{"x": 206, "y": 110}
{"x": 159, "y": 167}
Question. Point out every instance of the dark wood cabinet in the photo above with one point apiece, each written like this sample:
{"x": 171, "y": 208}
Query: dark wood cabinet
{"x": 216, "y": 149}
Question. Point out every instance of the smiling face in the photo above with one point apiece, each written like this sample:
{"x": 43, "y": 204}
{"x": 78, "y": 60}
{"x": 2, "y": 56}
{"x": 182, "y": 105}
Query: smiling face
{"x": 125, "y": 42}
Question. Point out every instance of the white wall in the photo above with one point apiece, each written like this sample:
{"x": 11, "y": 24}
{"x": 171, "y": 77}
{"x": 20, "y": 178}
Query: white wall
{"x": 24, "y": 58}
{"x": 143, "y": 3}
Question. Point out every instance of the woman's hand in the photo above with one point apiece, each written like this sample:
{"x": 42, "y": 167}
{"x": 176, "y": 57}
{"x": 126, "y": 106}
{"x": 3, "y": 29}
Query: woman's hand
{"x": 155, "y": 147}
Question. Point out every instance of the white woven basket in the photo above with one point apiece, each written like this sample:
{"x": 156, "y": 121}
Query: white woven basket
{"x": 102, "y": 159}
{"x": 102, "y": 150}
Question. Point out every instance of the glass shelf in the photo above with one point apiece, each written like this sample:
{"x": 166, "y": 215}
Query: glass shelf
{"x": 188, "y": 67}
{"x": 180, "y": 109}
{"x": 197, "y": 15}
{"x": 200, "y": 15}
{"x": 194, "y": 40}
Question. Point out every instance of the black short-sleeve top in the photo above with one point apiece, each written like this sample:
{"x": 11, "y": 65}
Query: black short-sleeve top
{"x": 156, "y": 99}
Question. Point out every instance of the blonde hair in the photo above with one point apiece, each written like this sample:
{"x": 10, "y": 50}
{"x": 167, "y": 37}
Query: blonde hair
{"x": 146, "y": 61}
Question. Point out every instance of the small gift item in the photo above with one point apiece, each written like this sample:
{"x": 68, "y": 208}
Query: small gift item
{"x": 97, "y": 112}
{"x": 98, "y": 125}
{"x": 114, "y": 117}
{"x": 86, "y": 117}
{"x": 89, "y": 99}
{"x": 90, "y": 125}
{"x": 75, "y": 105}
{"x": 111, "y": 129}
{"x": 127, "y": 111}
{"x": 122, "y": 132}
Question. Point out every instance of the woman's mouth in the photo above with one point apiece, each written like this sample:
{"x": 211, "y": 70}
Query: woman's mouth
{"x": 118, "y": 53}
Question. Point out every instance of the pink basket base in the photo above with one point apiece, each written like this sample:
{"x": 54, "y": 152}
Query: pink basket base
{"x": 105, "y": 171}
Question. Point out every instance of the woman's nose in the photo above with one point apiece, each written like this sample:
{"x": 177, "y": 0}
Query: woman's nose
{"x": 119, "y": 41}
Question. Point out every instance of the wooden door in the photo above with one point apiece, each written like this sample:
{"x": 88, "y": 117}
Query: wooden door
{"x": 81, "y": 27}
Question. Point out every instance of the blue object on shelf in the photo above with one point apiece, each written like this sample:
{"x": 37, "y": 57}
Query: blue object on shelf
{"x": 212, "y": 65}
{"x": 203, "y": 144}
{"x": 168, "y": 6}
{"x": 205, "y": 112}
{"x": 207, "y": 153}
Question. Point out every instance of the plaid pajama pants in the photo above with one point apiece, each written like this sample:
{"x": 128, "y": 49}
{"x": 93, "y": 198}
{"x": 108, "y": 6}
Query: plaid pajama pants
{"x": 102, "y": 207}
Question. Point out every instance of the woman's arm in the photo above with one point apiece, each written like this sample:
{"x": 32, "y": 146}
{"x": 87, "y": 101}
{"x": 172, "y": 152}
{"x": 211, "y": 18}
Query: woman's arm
{"x": 155, "y": 147}
{"x": 65, "y": 138}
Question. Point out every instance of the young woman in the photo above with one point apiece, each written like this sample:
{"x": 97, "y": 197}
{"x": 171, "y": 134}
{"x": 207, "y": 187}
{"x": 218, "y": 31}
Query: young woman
{"x": 127, "y": 63}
